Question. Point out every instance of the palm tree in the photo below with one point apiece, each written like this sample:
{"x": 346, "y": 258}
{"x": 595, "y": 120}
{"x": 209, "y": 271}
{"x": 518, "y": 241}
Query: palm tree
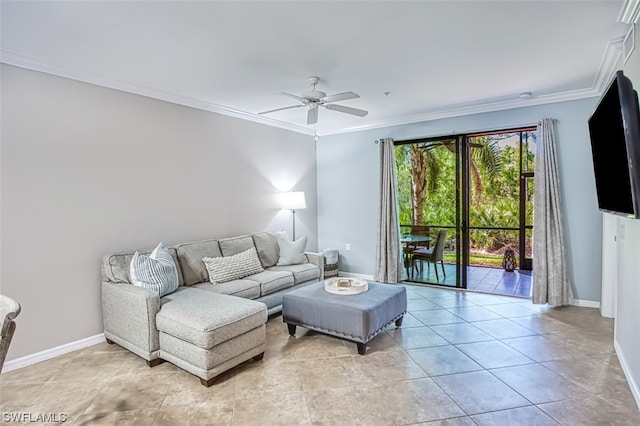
{"x": 485, "y": 156}
{"x": 424, "y": 175}
{"x": 425, "y": 169}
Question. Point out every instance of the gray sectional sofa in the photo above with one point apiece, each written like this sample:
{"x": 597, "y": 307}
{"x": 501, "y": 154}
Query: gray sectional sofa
{"x": 201, "y": 327}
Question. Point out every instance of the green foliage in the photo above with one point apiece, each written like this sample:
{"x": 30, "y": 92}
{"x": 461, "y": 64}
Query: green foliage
{"x": 403, "y": 177}
{"x": 490, "y": 260}
{"x": 495, "y": 187}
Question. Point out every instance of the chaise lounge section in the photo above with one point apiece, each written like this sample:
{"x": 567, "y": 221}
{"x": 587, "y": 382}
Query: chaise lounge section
{"x": 206, "y": 333}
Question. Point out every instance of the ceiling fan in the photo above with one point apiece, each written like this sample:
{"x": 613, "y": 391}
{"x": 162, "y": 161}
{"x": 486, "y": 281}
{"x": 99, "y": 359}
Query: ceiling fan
{"x": 316, "y": 98}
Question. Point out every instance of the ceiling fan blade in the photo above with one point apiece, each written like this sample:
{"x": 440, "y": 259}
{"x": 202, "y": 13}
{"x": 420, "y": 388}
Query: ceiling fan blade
{"x": 280, "y": 109}
{"x": 348, "y": 110}
{"x": 292, "y": 96}
{"x": 312, "y": 115}
{"x": 341, "y": 97}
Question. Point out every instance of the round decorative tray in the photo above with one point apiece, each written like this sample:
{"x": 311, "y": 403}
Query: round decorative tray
{"x": 346, "y": 286}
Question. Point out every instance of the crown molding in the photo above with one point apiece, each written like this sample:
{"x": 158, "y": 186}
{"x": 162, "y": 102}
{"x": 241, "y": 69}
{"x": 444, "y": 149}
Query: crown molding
{"x": 630, "y": 12}
{"x": 474, "y": 109}
{"x": 608, "y": 64}
{"x": 23, "y": 61}
{"x": 606, "y": 70}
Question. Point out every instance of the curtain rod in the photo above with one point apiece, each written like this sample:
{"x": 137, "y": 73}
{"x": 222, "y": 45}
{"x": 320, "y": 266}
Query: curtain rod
{"x": 555, "y": 120}
{"x": 522, "y": 128}
{"x": 495, "y": 132}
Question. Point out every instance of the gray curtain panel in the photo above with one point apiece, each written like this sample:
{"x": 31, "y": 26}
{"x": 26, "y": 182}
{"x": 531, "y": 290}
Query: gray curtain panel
{"x": 550, "y": 279}
{"x": 389, "y": 267}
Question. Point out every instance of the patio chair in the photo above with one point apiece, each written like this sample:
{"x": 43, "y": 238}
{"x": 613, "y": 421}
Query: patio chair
{"x": 421, "y": 231}
{"x": 9, "y": 310}
{"x": 432, "y": 256}
{"x": 407, "y": 255}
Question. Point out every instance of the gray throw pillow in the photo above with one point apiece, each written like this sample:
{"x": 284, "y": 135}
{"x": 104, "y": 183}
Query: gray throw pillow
{"x": 229, "y": 268}
{"x": 291, "y": 252}
{"x": 156, "y": 272}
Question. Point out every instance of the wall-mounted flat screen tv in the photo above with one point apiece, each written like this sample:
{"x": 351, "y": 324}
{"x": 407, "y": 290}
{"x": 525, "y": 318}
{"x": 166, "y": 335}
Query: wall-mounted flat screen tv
{"x": 614, "y": 128}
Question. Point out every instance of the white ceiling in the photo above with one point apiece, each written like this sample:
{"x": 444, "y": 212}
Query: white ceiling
{"x": 437, "y": 58}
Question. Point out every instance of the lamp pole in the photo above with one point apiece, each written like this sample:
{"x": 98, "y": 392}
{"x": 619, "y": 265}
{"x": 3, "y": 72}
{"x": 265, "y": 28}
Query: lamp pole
{"x": 294, "y": 223}
{"x": 293, "y": 200}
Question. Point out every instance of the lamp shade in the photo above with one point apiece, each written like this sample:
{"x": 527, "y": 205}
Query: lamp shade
{"x": 292, "y": 200}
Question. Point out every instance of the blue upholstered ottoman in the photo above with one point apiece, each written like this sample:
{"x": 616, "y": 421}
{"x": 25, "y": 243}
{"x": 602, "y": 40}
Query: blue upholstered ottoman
{"x": 357, "y": 317}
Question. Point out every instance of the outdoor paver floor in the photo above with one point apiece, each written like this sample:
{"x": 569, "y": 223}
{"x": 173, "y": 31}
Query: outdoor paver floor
{"x": 480, "y": 278}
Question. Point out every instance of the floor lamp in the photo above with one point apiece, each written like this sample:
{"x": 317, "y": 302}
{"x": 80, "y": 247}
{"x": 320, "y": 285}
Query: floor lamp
{"x": 291, "y": 201}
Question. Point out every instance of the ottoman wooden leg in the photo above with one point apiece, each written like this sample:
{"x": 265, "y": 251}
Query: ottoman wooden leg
{"x": 399, "y": 321}
{"x": 110, "y": 341}
{"x": 292, "y": 329}
{"x": 258, "y": 357}
{"x": 362, "y": 348}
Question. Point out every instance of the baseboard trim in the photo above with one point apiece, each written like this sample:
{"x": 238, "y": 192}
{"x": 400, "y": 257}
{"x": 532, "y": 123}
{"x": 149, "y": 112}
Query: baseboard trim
{"x": 586, "y": 303}
{"x": 635, "y": 390}
{"x": 52, "y": 353}
{"x": 352, "y": 275}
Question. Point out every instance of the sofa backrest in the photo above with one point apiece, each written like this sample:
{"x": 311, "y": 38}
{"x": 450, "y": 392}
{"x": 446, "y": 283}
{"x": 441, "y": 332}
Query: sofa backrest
{"x": 235, "y": 245}
{"x": 116, "y": 267}
{"x": 267, "y": 246}
{"x": 190, "y": 258}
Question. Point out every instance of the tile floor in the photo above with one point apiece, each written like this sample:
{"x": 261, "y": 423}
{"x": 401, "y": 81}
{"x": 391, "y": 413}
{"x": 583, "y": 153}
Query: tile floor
{"x": 480, "y": 278}
{"x": 460, "y": 358}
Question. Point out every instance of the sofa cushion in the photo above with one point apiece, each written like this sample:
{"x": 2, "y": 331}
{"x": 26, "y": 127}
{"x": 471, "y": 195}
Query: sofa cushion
{"x": 190, "y": 257}
{"x": 227, "y": 268}
{"x": 291, "y": 252}
{"x": 271, "y": 281}
{"x": 207, "y": 319}
{"x": 242, "y": 288}
{"x": 116, "y": 268}
{"x": 235, "y": 245}
{"x": 156, "y": 272}
{"x": 301, "y": 273}
{"x": 267, "y": 245}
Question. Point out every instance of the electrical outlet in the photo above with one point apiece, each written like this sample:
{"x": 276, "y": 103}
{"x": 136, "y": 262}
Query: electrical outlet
{"x": 348, "y": 247}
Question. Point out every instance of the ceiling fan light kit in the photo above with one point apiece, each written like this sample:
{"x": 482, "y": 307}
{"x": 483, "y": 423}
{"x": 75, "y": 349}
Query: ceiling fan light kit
{"x": 314, "y": 98}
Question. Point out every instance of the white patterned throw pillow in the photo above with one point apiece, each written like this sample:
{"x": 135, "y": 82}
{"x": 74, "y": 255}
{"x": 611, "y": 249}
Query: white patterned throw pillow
{"x": 291, "y": 252}
{"x": 228, "y": 268}
{"x": 156, "y": 272}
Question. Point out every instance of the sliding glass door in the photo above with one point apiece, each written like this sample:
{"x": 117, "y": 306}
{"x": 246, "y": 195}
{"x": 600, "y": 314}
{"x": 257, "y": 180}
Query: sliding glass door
{"x": 429, "y": 209}
{"x": 466, "y": 204}
{"x": 499, "y": 211}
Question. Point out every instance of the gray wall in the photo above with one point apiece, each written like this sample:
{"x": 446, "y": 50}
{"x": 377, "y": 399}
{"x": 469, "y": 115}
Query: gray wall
{"x": 348, "y": 185}
{"x": 86, "y": 171}
{"x": 627, "y": 335}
